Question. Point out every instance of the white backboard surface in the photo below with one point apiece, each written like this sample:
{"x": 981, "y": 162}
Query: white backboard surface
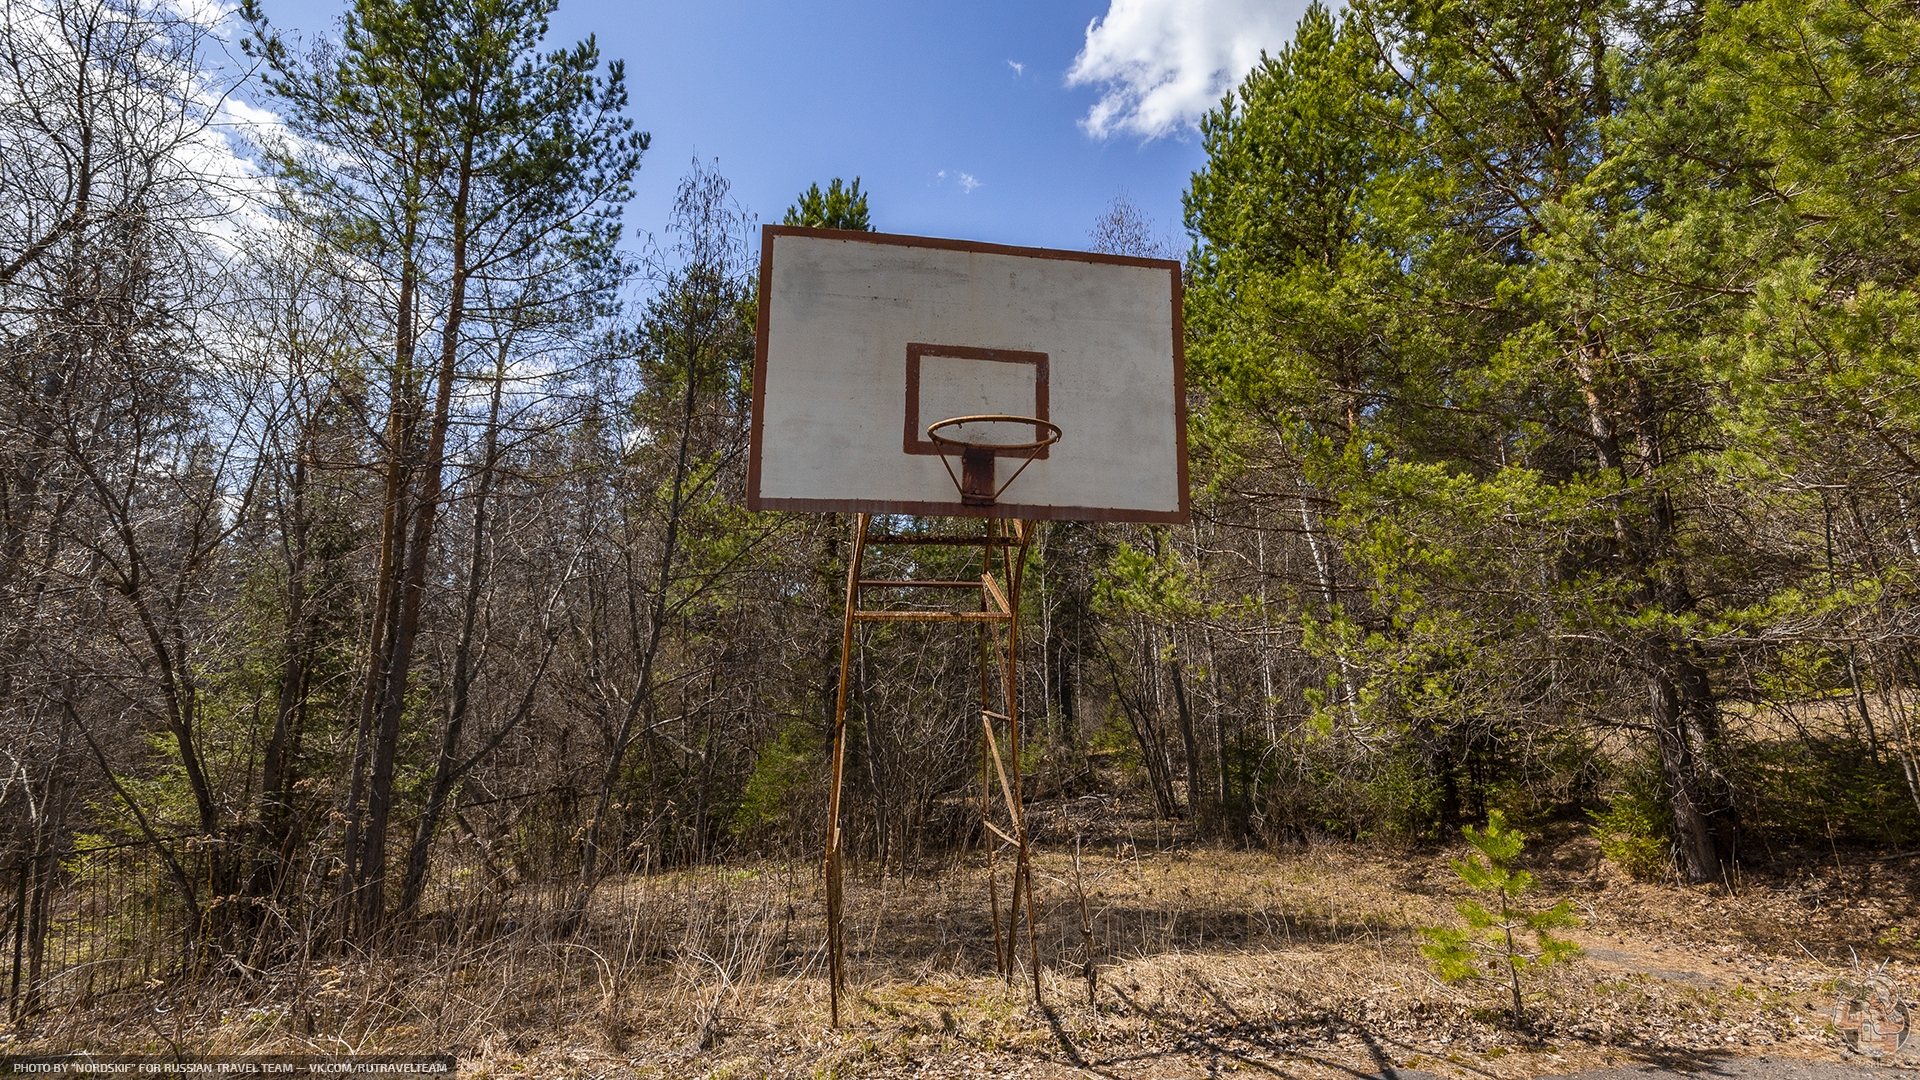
{"x": 867, "y": 338}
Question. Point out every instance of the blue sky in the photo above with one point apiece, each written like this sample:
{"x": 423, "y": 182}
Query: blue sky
{"x": 958, "y": 118}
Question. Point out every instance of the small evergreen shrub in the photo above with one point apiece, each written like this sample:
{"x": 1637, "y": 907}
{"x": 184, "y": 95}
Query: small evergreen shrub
{"x": 1636, "y": 829}
{"x": 785, "y": 766}
{"x": 1494, "y": 944}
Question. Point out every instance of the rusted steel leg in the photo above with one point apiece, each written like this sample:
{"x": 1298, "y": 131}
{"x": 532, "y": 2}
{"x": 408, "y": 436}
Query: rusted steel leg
{"x": 1016, "y": 572}
{"x": 988, "y": 836}
{"x": 1033, "y": 952}
{"x": 835, "y": 960}
{"x": 987, "y": 833}
{"x": 1013, "y": 813}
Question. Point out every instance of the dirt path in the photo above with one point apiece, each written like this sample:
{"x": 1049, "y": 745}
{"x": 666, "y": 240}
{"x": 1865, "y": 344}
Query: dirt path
{"x": 1760, "y": 1068}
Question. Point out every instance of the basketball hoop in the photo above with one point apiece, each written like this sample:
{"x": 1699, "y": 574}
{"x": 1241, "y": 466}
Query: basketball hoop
{"x": 975, "y": 479}
{"x": 1011, "y": 345}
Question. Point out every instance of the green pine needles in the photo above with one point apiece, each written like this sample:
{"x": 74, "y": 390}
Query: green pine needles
{"x": 838, "y": 207}
{"x": 1494, "y": 941}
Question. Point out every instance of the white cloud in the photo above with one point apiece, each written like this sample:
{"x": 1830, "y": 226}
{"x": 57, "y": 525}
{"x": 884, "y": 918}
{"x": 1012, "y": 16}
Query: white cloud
{"x": 1161, "y": 64}
{"x": 964, "y": 180}
{"x": 1019, "y": 68}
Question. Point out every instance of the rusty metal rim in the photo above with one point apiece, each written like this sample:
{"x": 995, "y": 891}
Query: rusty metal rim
{"x": 933, "y": 432}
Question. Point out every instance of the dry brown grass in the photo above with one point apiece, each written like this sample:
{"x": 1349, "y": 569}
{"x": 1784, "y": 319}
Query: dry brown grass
{"x": 1301, "y": 963}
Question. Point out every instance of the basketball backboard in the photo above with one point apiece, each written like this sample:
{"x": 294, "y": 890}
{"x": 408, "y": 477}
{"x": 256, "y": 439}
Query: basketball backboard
{"x": 868, "y": 339}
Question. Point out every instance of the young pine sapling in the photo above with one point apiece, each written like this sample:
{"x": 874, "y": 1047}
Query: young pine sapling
{"x": 1494, "y": 941}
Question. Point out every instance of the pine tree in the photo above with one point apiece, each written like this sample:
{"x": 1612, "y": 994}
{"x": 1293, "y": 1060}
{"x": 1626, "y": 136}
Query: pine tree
{"x": 445, "y": 149}
{"x": 838, "y": 207}
{"x": 1489, "y": 947}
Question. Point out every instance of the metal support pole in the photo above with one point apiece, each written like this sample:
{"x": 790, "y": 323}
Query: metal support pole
{"x": 989, "y": 643}
{"x": 834, "y": 957}
{"x": 1006, "y": 664}
{"x": 1016, "y": 571}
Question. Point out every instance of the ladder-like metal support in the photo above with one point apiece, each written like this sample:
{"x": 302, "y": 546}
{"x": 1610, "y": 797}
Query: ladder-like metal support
{"x": 1003, "y": 547}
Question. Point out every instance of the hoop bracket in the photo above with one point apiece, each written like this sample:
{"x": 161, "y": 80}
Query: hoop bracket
{"x": 977, "y": 456}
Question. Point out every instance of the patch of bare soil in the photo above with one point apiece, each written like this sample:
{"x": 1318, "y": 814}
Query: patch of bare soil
{"x": 1301, "y": 963}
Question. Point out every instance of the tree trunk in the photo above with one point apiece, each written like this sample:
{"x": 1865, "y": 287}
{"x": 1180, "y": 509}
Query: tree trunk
{"x": 1153, "y": 751}
{"x": 444, "y": 770}
{"x": 1199, "y": 785}
{"x": 401, "y": 412}
{"x": 372, "y": 888}
{"x": 1693, "y": 841}
{"x": 641, "y": 702}
{"x": 273, "y": 816}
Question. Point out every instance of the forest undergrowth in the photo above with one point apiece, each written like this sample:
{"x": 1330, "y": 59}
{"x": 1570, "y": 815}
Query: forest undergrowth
{"x": 1302, "y": 961}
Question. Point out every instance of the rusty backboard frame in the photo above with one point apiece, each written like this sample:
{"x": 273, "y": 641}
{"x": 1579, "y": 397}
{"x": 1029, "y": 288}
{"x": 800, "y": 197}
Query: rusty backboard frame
{"x": 1011, "y": 342}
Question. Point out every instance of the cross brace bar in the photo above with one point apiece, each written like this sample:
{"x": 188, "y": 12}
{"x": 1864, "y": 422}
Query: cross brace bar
{"x": 931, "y": 616}
{"x": 880, "y": 540}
